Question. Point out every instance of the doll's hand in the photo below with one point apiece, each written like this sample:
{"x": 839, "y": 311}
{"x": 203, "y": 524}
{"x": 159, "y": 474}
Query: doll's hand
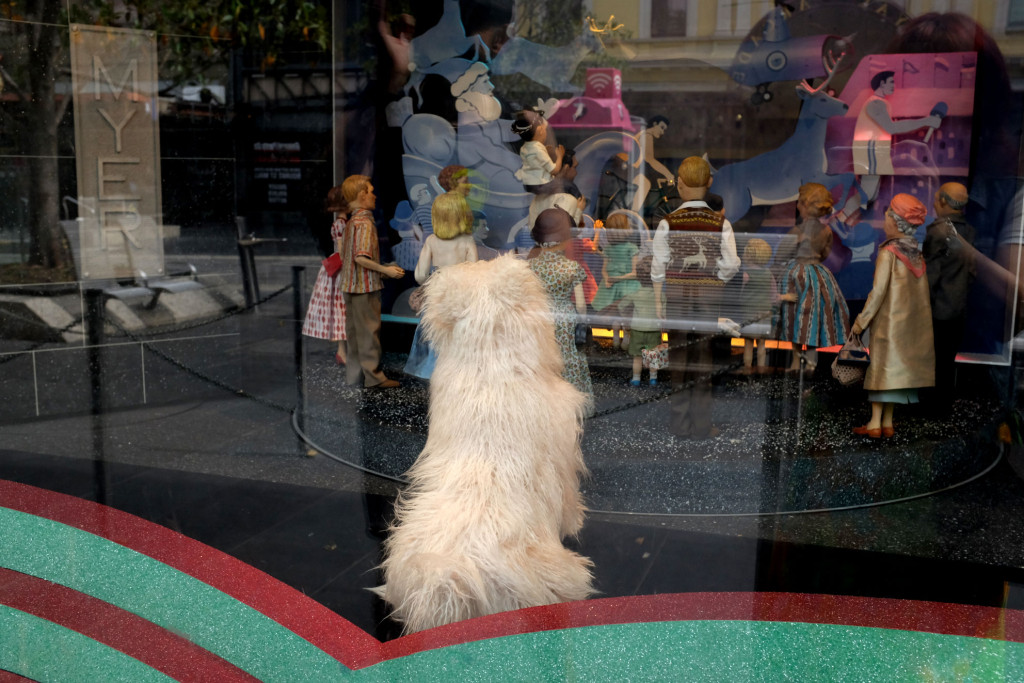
{"x": 393, "y": 272}
{"x": 856, "y": 329}
{"x": 790, "y": 297}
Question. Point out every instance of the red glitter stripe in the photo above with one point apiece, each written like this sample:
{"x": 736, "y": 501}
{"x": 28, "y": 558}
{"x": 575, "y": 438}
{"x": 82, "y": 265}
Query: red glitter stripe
{"x": 116, "y": 628}
{"x": 11, "y": 677}
{"x": 302, "y": 615}
{"x": 909, "y": 615}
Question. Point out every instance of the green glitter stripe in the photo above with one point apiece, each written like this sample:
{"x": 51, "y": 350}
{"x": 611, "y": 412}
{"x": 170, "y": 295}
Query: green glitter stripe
{"x": 43, "y": 651}
{"x": 714, "y": 651}
{"x": 165, "y": 596}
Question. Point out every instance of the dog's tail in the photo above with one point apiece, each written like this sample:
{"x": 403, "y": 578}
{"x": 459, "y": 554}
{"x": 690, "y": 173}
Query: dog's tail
{"x": 428, "y": 590}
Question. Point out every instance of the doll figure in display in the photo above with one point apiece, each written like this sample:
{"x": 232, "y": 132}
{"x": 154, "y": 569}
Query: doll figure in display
{"x": 645, "y": 324}
{"x": 451, "y": 243}
{"x": 325, "y": 316}
{"x": 760, "y": 297}
{"x": 813, "y": 312}
{"x": 899, "y": 316}
{"x": 539, "y": 167}
{"x": 579, "y": 249}
{"x": 454, "y": 177}
{"x": 618, "y": 274}
{"x": 563, "y": 279}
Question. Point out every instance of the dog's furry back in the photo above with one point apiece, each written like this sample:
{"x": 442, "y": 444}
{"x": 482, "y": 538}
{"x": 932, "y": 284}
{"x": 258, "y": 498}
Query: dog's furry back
{"x": 496, "y": 487}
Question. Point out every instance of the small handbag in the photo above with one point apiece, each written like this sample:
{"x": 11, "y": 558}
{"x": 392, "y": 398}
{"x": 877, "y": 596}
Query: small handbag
{"x": 332, "y": 264}
{"x": 656, "y": 358}
{"x": 851, "y": 363}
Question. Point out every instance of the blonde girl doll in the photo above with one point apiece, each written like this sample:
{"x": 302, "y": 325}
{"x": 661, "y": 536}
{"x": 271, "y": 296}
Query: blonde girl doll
{"x": 760, "y": 296}
{"x": 451, "y": 243}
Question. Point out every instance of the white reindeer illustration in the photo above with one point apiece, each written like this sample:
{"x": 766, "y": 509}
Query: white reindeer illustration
{"x": 698, "y": 260}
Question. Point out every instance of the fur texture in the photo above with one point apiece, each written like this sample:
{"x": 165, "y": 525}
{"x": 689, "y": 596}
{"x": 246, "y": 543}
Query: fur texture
{"x": 479, "y": 529}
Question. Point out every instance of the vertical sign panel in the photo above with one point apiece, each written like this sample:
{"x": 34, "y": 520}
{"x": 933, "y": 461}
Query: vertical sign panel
{"x": 117, "y": 144}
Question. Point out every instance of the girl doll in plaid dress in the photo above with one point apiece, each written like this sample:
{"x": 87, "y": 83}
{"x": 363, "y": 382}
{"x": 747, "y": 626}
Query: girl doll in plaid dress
{"x": 325, "y": 317}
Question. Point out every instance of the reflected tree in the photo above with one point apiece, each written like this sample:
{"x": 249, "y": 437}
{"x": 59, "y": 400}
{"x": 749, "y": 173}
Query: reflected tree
{"x": 194, "y": 38}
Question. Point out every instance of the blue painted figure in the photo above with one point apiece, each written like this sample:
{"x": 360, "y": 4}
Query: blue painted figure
{"x": 774, "y": 177}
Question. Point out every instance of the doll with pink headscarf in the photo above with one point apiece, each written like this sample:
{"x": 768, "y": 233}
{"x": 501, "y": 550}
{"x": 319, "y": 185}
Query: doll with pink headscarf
{"x": 899, "y": 316}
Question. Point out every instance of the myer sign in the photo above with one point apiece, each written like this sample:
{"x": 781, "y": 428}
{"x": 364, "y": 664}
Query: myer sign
{"x": 117, "y": 146}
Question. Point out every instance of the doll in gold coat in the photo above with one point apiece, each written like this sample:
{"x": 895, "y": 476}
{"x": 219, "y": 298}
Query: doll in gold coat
{"x": 899, "y": 314}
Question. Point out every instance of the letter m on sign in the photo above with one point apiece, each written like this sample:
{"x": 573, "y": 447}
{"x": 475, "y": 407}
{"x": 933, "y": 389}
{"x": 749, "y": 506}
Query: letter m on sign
{"x": 100, "y": 71}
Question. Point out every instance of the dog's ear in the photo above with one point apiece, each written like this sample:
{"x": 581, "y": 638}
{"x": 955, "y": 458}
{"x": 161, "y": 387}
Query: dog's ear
{"x": 444, "y": 301}
{"x": 476, "y": 303}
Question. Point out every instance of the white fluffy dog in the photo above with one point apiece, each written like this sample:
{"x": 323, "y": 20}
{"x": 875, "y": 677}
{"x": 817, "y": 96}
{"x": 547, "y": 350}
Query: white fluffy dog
{"x": 479, "y": 529}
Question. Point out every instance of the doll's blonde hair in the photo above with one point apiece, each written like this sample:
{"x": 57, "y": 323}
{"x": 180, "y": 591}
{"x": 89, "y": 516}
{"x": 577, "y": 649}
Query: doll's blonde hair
{"x": 817, "y": 198}
{"x": 353, "y": 186}
{"x": 757, "y": 252}
{"x": 694, "y": 172}
{"x": 451, "y": 216}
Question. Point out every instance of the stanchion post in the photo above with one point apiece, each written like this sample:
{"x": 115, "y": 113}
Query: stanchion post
{"x": 298, "y": 314}
{"x": 247, "y": 262}
{"x": 95, "y": 336}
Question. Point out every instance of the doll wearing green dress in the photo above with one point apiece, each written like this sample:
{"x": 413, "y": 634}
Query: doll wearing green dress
{"x": 618, "y": 274}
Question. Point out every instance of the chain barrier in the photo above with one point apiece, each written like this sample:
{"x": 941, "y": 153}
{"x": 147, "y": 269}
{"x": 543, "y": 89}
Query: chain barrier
{"x": 181, "y": 327}
{"x": 202, "y": 376}
{"x": 38, "y": 345}
{"x": 141, "y": 339}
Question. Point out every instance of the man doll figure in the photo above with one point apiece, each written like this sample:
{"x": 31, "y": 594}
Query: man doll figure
{"x": 949, "y": 256}
{"x": 872, "y": 140}
{"x": 694, "y": 256}
{"x": 646, "y": 178}
{"x": 360, "y": 280}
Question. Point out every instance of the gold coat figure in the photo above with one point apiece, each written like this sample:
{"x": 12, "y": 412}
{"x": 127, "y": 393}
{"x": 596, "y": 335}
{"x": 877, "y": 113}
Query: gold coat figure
{"x": 900, "y": 317}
